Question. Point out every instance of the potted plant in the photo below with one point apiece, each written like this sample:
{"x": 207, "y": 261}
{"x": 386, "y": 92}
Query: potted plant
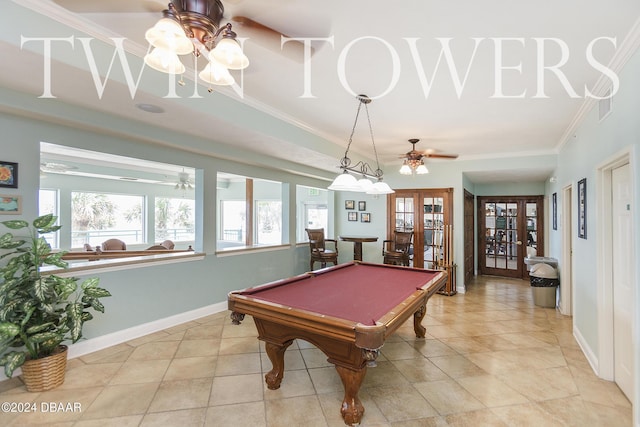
{"x": 38, "y": 312}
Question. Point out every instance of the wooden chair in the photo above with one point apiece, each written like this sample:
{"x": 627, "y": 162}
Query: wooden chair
{"x": 319, "y": 251}
{"x": 168, "y": 244}
{"x": 398, "y": 250}
{"x": 156, "y": 248}
{"x": 114, "y": 245}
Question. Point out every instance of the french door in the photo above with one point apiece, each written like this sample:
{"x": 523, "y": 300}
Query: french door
{"x": 510, "y": 228}
{"x": 428, "y": 213}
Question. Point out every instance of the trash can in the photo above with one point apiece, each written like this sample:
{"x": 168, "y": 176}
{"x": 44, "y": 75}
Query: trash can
{"x": 544, "y": 284}
{"x": 530, "y": 261}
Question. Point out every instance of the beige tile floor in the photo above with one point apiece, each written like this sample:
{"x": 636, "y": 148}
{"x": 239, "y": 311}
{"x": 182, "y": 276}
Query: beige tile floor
{"x": 491, "y": 358}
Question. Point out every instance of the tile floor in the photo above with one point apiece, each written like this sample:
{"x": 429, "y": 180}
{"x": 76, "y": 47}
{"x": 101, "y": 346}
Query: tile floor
{"x": 491, "y": 358}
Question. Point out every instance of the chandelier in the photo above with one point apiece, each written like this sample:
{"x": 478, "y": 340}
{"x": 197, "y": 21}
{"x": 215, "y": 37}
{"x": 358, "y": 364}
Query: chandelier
{"x": 348, "y": 182}
{"x": 193, "y": 26}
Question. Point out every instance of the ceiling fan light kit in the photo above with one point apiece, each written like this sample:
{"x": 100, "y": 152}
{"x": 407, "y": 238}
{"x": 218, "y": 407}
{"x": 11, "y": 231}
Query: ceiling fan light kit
{"x": 345, "y": 181}
{"x": 193, "y": 26}
{"x": 414, "y": 160}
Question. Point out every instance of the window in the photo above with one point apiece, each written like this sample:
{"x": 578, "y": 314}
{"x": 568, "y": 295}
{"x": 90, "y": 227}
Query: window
{"x": 48, "y": 204}
{"x": 96, "y": 217}
{"x": 250, "y": 212}
{"x": 98, "y": 196}
{"x": 233, "y": 219}
{"x": 312, "y": 210}
{"x": 174, "y": 219}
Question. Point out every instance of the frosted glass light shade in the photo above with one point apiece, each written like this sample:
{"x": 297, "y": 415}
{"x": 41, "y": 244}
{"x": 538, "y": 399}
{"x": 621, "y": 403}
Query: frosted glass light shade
{"x": 405, "y": 170}
{"x": 228, "y": 53}
{"x": 422, "y": 169}
{"x": 216, "y": 74}
{"x": 168, "y": 34}
{"x": 345, "y": 182}
{"x": 164, "y": 61}
{"x": 380, "y": 188}
{"x": 364, "y": 184}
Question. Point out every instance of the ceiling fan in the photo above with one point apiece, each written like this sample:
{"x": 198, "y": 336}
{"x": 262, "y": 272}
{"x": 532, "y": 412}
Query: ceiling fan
{"x": 414, "y": 159}
{"x": 184, "y": 182}
{"x": 266, "y": 37}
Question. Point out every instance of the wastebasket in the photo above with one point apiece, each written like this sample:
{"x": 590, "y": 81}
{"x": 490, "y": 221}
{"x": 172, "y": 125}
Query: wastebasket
{"x": 544, "y": 284}
{"x": 530, "y": 261}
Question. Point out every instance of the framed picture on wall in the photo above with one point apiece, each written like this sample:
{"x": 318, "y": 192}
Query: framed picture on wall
{"x": 8, "y": 174}
{"x": 365, "y": 217}
{"x": 352, "y": 216}
{"x": 362, "y": 206}
{"x": 349, "y": 204}
{"x": 10, "y": 204}
{"x": 554, "y": 210}
{"x": 582, "y": 208}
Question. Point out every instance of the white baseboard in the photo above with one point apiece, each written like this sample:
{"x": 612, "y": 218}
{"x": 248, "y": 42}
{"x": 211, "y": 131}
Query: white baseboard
{"x": 99, "y": 343}
{"x": 588, "y": 353}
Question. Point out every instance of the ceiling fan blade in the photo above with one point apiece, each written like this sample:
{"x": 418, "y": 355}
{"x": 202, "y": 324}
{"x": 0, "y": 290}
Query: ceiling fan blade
{"x": 268, "y": 38}
{"x": 441, "y": 156}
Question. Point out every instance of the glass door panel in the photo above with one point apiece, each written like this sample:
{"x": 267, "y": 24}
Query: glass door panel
{"x": 404, "y": 214}
{"x": 426, "y": 212}
{"x": 532, "y": 229}
{"x": 503, "y": 224}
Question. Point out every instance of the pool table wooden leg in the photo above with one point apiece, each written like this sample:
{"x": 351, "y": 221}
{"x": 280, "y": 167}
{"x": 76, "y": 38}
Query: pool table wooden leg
{"x": 352, "y": 409}
{"x": 417, "y": 320}
{"x": 276, "y": 355}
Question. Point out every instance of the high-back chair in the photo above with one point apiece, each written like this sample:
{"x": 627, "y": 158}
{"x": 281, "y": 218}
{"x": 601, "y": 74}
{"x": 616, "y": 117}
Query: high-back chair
{"x": 319, "y": 252}
{"x": 114, "y": 245}
{"x": 398, "y": 250}
{"x": 168, "y": 244}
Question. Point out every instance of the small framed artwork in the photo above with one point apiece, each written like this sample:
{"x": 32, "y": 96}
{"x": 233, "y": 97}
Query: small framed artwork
{"x": 352, "y": 216}
{"x": 365, "y": 217}
{"x": 10, "y": 205}
{"x": 582, "y": 208}
{"x": 554, "y": 210}
{"x": 8, "y": 174}
{"x": 362, "y": 206}
{"x": 349, "y": 204}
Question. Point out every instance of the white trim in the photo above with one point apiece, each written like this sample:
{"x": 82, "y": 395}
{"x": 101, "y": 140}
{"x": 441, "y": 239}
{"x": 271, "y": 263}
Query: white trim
{"x": 567, "y": 287}
{"x": 604, "y": 266}
{"x": 586, "y": 350}
{"x": 99, "y": 343}
{"x": 104, "y": 341}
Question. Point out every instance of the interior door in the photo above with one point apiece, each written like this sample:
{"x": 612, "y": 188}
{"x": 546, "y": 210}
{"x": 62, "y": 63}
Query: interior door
{"x": 469, "y": 234}
{"x": 510, "y": 228}
{"x": 623, "y": 263}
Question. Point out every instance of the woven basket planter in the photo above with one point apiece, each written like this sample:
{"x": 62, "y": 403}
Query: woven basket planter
{"x": 45, "y": 373}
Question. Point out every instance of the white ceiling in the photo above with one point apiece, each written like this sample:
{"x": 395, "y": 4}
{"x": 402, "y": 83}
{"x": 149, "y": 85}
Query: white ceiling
{"x": 368, "y": 33}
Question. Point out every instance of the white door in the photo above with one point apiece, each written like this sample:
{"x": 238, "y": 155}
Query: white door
{"x": 622, "y": 288}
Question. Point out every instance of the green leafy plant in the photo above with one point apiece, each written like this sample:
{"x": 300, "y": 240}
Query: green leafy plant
{"x": 39, "y": 311}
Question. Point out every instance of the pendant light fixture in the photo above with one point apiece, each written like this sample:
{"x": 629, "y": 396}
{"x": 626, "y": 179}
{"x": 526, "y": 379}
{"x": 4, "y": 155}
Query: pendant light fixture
{"x": 348, "y": 179}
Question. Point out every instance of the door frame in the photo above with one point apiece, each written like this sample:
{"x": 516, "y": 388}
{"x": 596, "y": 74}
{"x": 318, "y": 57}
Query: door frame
{"x": 469, "y": 236}
{"x": 605, "y": 262}
{"x": 566, "y": 272}
{"x": 520, "y": 272}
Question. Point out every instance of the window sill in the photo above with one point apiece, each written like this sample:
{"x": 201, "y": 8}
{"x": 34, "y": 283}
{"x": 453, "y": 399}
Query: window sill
{"x": 83, "y": 268}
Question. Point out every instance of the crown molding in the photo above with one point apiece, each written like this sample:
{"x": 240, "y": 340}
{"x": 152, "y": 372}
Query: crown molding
{"x": 628, "y": 48}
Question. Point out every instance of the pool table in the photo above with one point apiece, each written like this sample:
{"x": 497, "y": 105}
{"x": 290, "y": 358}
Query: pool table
{"x": 347, "y": 311}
